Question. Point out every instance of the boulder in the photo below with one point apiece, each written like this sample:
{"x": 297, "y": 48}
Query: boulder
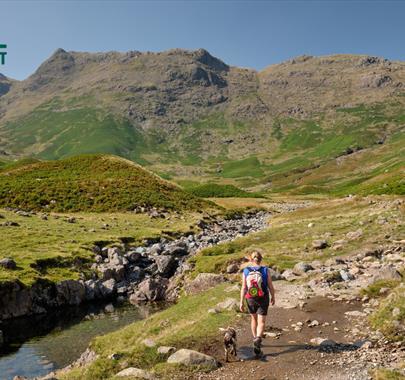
{"x": 166, "y": 265}
{"x": 180, "y": 249}
{"x": 108, "y": 288}
{"x": 387, "y": 272}
{"x": 323, "y": 342}
{"x": 8, "y": 263}
{"x": 275, "y": 274}
{"x": 230, "y": 304}
{"x": 232, "y": 268}
{"x": 133, "y": 256}
{"x": 301, "y": 268}
{"x": 135, "y": 373}
{"x": 166, "y": 350}
{"x": 70, "y": 292}
{"x": 203, "y": 282}
{"x": 109, "y": 271}
{"x": 346, "y": 276}
{"x": 289, "y": 275}
{"x": 150, "y": 289}
{"x": 319, "y": 244}
{"x": 354, "y": 235}
{"x": 192, "y": 358}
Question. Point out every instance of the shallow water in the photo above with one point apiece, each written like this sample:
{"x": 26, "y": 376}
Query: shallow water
{"x": 38, "y": 345}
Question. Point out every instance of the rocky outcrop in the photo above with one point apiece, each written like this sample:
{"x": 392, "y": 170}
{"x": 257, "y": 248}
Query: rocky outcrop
{"x": 144, "y": 273}
{"x": 192, "y": 358}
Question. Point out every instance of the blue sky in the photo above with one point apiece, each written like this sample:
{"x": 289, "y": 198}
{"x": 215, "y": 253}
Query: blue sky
{"x": 242, "y": 33}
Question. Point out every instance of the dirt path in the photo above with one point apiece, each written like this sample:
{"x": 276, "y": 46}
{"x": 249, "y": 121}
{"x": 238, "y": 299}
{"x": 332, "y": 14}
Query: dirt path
{"x": 290, "y": 356}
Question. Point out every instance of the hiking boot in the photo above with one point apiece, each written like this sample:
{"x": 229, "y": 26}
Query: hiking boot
{"x": 257, "y": 345}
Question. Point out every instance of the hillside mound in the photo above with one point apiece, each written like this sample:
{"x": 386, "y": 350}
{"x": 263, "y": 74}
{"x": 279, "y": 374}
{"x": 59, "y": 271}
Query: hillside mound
{"x": 89, "y": 183}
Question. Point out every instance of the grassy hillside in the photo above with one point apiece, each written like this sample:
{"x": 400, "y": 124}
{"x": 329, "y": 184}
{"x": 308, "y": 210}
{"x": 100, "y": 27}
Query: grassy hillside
{"x": 212, "y": 190}
{"x": 89, "y": 183}
{"x": 55, "y": 249}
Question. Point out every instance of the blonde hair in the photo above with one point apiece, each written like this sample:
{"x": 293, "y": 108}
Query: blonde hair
{"x": 256, "y": 255}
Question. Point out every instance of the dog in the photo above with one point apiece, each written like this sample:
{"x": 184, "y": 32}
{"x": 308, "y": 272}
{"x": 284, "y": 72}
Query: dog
{"x": 229, "y": 343}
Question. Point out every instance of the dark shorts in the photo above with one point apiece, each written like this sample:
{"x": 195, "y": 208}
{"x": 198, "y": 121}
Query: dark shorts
{"x": 258, "y": 305}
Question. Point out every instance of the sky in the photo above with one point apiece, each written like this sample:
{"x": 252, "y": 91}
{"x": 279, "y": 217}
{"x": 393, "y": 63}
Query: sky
{"x": 247, "y": 33}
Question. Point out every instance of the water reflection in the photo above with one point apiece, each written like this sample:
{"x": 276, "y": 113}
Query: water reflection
{"x": 37, "y": 345}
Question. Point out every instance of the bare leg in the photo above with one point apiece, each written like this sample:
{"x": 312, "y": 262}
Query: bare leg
{"x": 253, "y": 324}
{"x": 261, "y": 321}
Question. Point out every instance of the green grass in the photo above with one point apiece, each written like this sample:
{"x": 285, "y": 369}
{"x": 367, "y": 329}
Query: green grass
{"x": 373, "y": 290}
{"x": 384, "y": 320}
{"x": 55, "y": 250}
{"x": 186, "y": 324}
{"x": 288, "y": 240}
{"x": 387, "y": 374}
{"x": 248, "y": 167}
{"x": 89, "y": 183}
{"x": 211, "y": 190}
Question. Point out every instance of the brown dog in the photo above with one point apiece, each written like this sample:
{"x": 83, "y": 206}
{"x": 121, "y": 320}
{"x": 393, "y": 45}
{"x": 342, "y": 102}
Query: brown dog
{"x": 230, "y": 342}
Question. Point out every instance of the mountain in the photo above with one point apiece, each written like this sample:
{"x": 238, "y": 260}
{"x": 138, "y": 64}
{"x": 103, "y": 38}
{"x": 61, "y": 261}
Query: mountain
{"x": 189, "y": 116}
{"x": 89, "y": 183}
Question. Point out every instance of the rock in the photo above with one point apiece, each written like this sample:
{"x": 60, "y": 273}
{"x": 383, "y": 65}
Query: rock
{"x": 110, "y": 271}
{"x": 232, "y": 268}
{"x": 150, "y": 289}
{"x": 319, "y": 244}
{"x": 313, "y": 323}
{"x": 289, "y": 275}
{"x": 108, "y": 288}
{"x": 135, "y": 373}
{"x": 275, "y": 274}
{"x": 301, "y": 268}
{"x": 70, "y": 292}
{"x": 396, "y": 312}
{"x": 8, "y": 263}
{"x": 149, "y": 342}
{"x": 355, "y": 313}
{"x": 109, "y": 308}
{"x": 180, "y": 249}
{"x": 338, "y": 244}
{"x": 166, "y": 350}
{"x": 192, "y": 358}
{"x": 346, "y": 276}
{"x": 204, "y": 281}
{"x": 310, "y": 225}
{"x": 166, "y": 265}
{"x": 213, "y": 311}
{"x": 387, "y": 272}
{"x": 354, "y": 235}
{"x": 230, "y": 304}
{"x": 323, "y": 342}
{"x": 133, "y": 256}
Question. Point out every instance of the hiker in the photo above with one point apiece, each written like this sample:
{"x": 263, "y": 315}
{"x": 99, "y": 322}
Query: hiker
{"x": 256, "y": 285}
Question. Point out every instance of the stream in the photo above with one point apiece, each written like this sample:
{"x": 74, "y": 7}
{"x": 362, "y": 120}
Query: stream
{"x": 37, "y": 345}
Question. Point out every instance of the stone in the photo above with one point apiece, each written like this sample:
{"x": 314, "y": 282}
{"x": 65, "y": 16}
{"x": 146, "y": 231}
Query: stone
{"x": 150, "y": 289}
{"x": 355, "y": 313}
{"x": 8, "y": 263}
{"x": 319, "y": 244}
{"x": 192, "y": 358}
{"x": 232, "y": 268}
{"x": 396, "y": 312}
{"x": 385, "y": 273}
{"x": 213, "y": 311}
{"x": 166, "y": 350}
{"x": 203, "y": 282}
{"x": 166, "y": 265}
{"x": 133, "y": 256}
{"x": 275, "y": 274}
{"x": 149, "y": 342}
{"x": 108, "y": 288}
{"x": 346, "y": 276}
{"x": 310, "y": 225}
{"x": 135, "y": 373}
{"x": 112, "y": 271}
{"x": 230, "y": 304}
{"x": 323, "y": 342}
{"x": 354, "y": 235}
{"x": 289, "y": 275}
{"x": 70, "y": 292}
{"x": 301, "y": 268}
{"x": 313, "y": 323}
{"x": 109, "y": 308}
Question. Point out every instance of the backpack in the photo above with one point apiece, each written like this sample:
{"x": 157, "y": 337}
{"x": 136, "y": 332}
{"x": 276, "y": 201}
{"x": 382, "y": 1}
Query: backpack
{"x": 254, "y": 282}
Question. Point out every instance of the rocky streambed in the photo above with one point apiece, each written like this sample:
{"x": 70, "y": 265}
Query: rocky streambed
{"x": 139, "y": 273}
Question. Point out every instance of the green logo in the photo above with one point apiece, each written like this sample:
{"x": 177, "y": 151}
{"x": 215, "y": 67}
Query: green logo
{"x": 3, "y": 54}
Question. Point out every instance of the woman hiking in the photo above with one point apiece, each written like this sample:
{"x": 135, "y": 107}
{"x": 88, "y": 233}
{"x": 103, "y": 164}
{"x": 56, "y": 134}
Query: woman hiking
{"x": 256, "y": 286}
